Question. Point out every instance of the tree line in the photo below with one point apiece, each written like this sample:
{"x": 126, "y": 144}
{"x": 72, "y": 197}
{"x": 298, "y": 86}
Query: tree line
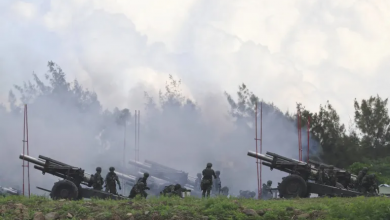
{"x": 364, "y": 143}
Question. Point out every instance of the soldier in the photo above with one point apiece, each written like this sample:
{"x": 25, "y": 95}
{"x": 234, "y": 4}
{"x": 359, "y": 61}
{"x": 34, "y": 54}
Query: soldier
{"x": 198, "y": 181}
{"x": 266, "y": 192}
{"x": 144, "y": 179}
{"x": 207, "y": 181}
{"x": 321, "y": 175}
{"x": 360, "y": 177}
{"x": 369, "y": 184}
{"x": 173, "y": 190}
{"x": 332, "y": 178}
{"x": 138, "y": 189}
{"x": 217, "y": 184}
{"x": 225, "y": 191}
{"x": 111, "y": 178}
{"x": 98, "y": 179}
{"x": 252, "y": 194}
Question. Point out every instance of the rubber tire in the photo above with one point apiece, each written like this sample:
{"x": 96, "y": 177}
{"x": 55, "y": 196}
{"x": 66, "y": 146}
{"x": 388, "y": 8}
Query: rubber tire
{"x": 64, "y": 185}
{"x": 301, "y": 191}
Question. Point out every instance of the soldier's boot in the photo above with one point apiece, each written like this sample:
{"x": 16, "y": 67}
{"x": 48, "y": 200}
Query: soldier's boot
{"x": 203, "y": 193}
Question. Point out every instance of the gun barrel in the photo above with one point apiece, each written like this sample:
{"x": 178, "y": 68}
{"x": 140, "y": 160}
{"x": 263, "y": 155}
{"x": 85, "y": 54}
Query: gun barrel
{"x": 126, "y": 176}
{"x": 163, "y": 166}
{"x": 53, "y": 161}
{"x": 285, "y": 158}
{"x": 31, "y": 160}
{"x": 260, "y": 156}
{"x": 140, "y": 165}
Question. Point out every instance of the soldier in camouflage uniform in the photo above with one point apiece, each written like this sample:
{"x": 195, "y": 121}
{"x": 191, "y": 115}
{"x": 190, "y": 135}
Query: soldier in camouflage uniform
{"x": 360, "y": 177}
{"x": 321, "y": 177}
{"x": 138, "y": 189}
{"x": 369, "y": 185}
{"x": 225, "y": 191}
{"x": 173, "y": 190}
{"x": 217, "y": 184}
{"x": 98, "y": 179}
{"x": 266, "y": 192}
{"x": 207, "y": 181}
{"x": 111, "y": 180}
{"x": 332, "y": 178}
{"x": 198, "y": 181}
{"x": 144, "y": 179}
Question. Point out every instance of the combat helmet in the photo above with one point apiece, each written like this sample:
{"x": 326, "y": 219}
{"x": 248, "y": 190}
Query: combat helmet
{"x": 112, "y": 169}
{"x": 98, "y": 169}
{"x": 217, "y": 172}
{"x": 269, "y": 182}
{"x": 209, "y": 165}
{"x": 199, "y": 175}
{"x": 146, "y": 175}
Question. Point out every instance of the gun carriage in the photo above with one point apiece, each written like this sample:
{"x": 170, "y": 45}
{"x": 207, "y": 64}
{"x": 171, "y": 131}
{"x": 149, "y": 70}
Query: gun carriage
{"x": 70, "y": 187}
{"x": 301, "y": 181}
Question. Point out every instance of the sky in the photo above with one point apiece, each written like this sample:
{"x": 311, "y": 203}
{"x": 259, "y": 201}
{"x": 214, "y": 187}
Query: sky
{"x": 286, "y": 51}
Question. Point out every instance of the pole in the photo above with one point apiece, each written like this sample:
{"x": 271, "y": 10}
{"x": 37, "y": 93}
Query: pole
{"x": 139, "y": 125}
{"x": 28, "y": 153}
{"x": 308, "y": 138}
{"x": 135, "y": 135}
{"x": 261, "y": 143}
{"x": 257, "y": 160}
{"x": 24, "y": 142}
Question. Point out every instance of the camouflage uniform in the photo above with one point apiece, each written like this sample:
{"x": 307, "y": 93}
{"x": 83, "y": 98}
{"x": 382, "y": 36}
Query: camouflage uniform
{"x": 266, "y": 192}
{"x": 321, "y": 175}
{"x": 138, "y": 189}
{"x": 369, "y": 185}
{"x": 173, "y": 190}
{"x": 198, "y": 182}
{"x": 217, "y": 184}
{"x": 360, "y": 177}
{"x": 98, "y": 179}
{"x": 111, "y": 178}
{"x": 225, "y": 191}
{"x": 332, "y": 178}
{"x": 207, "y": 181}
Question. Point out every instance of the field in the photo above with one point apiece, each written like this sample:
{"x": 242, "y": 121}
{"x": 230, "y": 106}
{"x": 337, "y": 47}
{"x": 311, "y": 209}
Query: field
{"x": 40, "y": 208}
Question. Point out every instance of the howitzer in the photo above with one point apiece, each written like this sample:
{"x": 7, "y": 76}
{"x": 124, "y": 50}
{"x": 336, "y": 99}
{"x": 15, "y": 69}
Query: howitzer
{"x": 343, "y": 176}
{"x": 73, "y": 178}
{"x": 170, "y": 175}
{"x": 301, "y": 181}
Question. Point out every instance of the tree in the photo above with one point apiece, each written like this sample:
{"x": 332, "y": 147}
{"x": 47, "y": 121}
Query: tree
{"x": 372, "y": 119}
{"x": 329, "y": 132}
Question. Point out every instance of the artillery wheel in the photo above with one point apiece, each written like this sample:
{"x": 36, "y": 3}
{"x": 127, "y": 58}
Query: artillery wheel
{"x": 293, "y": 186}
{"x": 64, "y": 189}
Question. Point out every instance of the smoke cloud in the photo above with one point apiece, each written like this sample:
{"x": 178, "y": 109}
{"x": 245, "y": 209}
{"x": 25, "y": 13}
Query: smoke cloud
{"x": 67, "y": 123}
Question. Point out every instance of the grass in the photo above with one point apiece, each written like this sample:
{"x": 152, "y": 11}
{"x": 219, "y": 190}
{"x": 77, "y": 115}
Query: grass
{"x": 14, "y": 207}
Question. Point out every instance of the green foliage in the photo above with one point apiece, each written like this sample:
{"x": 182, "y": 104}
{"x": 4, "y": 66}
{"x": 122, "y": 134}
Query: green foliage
{"x": 193, "y": 208}
{"x": 373, "y": 121}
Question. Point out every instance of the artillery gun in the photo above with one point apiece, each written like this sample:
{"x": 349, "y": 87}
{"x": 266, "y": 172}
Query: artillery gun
{"x": 344, "y": 177}
{"x": 161, "y": 173}
{"x": 73, "y": 178}
{"x": 301, "y": 181}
